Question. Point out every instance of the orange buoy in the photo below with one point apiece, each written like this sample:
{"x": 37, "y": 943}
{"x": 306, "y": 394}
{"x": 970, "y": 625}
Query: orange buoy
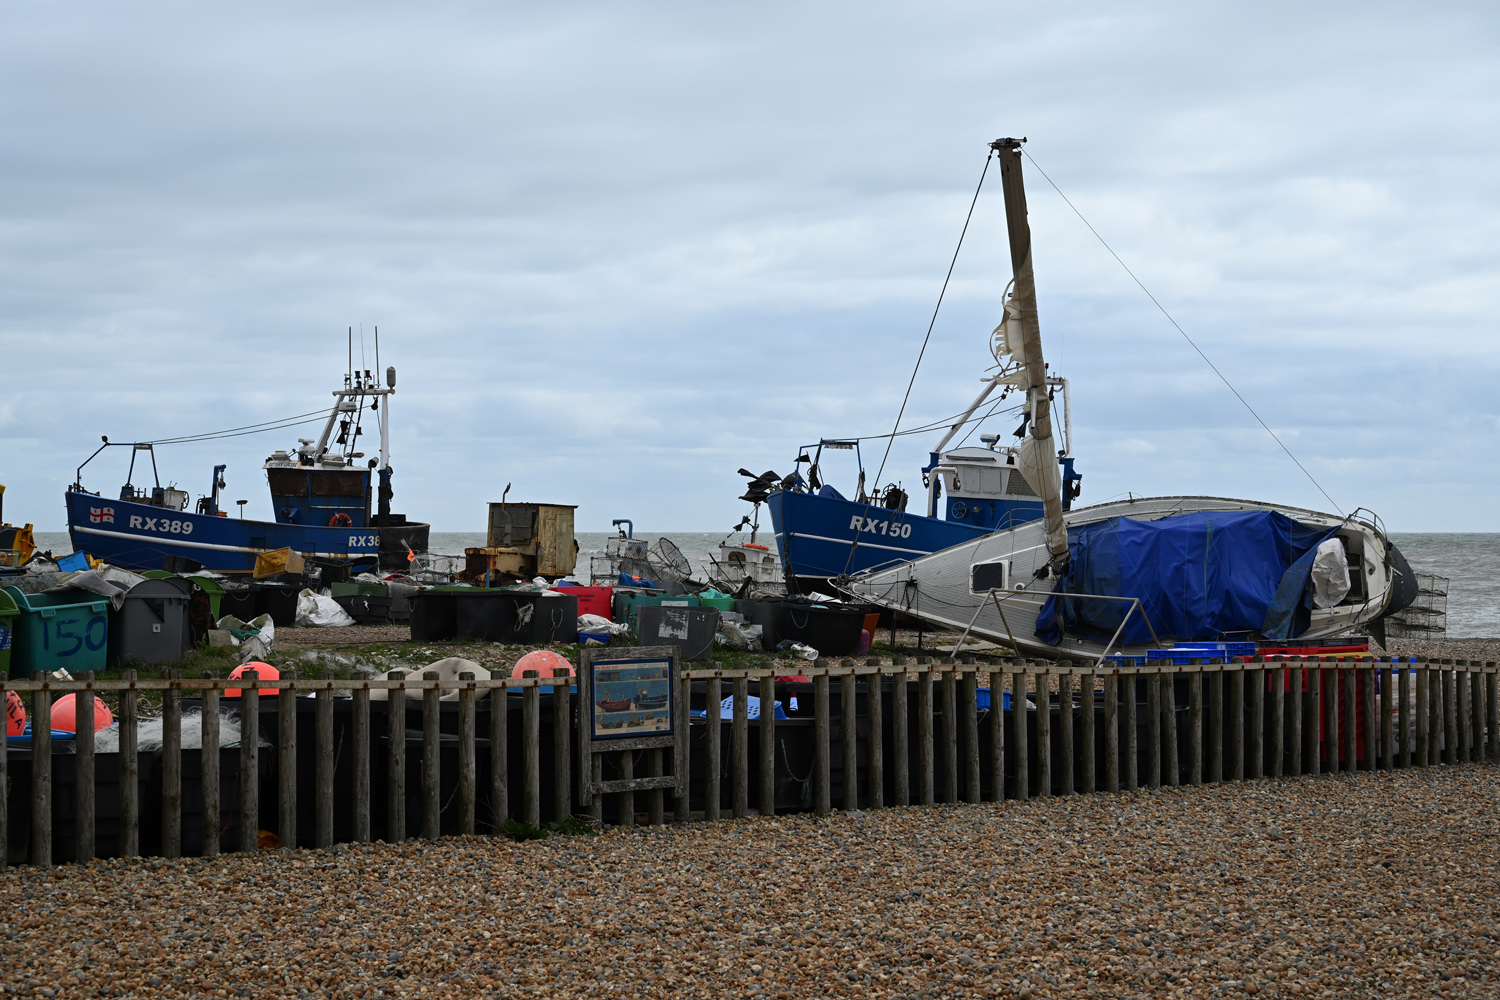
{"x": 545, "y": 662}
{"x": 340, "y": 520}
{"x": 265, "y": 671}
{"x": 15, "y": 714}
{"x": 65, "y": 714}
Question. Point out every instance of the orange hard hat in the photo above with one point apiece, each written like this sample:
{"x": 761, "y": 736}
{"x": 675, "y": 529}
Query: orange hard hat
{"x": 15, "y": 714}
{"x": 65, "y": 714}
{"x": 545, "y": 662}
{"x": 264, "y": 671}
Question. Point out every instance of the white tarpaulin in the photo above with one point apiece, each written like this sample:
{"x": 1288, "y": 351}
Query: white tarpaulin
{"x": 314, "y": 610}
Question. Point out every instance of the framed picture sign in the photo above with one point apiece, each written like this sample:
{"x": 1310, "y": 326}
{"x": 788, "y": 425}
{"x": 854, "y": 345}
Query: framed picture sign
{"x": 630, "y": 699}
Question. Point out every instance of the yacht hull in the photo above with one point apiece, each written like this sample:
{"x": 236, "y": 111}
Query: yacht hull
{"x": 937, "y": 587}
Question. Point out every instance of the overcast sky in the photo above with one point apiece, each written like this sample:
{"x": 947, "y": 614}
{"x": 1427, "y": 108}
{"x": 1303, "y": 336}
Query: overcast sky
{"x": 616, "y": 252}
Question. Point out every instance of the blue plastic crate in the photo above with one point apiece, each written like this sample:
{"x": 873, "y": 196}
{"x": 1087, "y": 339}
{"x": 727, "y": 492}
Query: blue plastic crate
{"x": 23, "y": 741}
{"x": 1226, "y": 649}
{"x": 1180, "y": 656}
{"x": 982, "y": 700}
{"x": 75, "y": 563}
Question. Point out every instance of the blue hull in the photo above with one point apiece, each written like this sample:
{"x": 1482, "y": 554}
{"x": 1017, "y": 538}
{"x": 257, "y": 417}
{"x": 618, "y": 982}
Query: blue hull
{"x": 817, "y": 535}
{"x": 139, "y": 536}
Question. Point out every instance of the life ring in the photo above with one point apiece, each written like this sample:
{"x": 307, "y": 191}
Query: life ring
{"x": 341, "y": 520}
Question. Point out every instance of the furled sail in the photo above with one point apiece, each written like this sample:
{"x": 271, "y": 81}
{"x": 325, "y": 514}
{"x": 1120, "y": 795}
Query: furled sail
{"x": 1039, "y": 449}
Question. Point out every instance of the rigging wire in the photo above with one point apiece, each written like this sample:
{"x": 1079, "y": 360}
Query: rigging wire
{"x": 1180, "y": 330}
{"x": 933, "y": 322}
{"x": 269, "y": 425}
{"x": 953, "y": 421}
{"x": 984, "y": 418}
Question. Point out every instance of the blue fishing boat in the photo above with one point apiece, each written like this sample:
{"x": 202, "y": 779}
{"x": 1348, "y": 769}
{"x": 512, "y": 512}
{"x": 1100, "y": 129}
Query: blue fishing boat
{"x": 822, "y": 535}
{"x": 322, "y": 495}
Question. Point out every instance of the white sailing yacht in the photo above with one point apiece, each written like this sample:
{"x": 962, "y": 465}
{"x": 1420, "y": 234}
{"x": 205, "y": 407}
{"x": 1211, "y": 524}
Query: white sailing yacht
{"x": 1136, "y": 574}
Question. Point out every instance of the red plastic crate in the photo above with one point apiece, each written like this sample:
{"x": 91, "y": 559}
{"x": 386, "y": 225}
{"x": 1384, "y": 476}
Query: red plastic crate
{"x": 1363, "y": 647}
{"x": 1329, "y": 664}
{"x": 592, "y": 600}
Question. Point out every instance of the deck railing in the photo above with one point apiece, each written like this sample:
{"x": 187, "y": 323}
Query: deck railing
{"x": 1116, "y": 729}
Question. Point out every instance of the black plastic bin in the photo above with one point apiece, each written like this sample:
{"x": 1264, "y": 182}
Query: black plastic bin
{"x": 551, "y": 618}
{"x": 765, "y": 612}
{"x": 279, "y": 600}
{"x": 238, "y": 601}
{"x": 833, "y": 630}
{"x": 434, "y": 615}
{"x": 692, "y": 629}
{"x": 486, "y": 615}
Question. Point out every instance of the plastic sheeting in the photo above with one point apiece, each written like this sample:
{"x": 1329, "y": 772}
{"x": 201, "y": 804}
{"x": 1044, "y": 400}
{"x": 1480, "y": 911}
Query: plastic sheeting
{"x": 1330, "y": 573}
{"x": 1197, "y": 576}
{"x": 600, "y": 625}
{"x": 315, "y": 610}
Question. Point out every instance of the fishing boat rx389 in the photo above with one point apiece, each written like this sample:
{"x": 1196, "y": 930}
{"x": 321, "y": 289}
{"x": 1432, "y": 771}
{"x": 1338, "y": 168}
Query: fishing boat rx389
{"x": 329, "y": 503}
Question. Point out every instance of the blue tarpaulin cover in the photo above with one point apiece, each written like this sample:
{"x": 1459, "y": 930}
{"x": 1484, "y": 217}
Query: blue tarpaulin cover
{"x": 1197, "y": 575}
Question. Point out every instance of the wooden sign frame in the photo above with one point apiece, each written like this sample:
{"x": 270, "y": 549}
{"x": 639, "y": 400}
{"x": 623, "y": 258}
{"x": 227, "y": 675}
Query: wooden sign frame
{"x": 590, "y": 748}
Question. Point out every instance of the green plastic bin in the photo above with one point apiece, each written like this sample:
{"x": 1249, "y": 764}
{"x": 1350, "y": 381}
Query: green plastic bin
{"x": 54, "y": 631}
{"x": 213, "y": 590}
{"x": 8, "y": 615}
{"x": 346, "y": 589}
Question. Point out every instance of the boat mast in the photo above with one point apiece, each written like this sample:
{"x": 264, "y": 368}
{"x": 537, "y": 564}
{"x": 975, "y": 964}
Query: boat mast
{"x": 1038, "y": 457}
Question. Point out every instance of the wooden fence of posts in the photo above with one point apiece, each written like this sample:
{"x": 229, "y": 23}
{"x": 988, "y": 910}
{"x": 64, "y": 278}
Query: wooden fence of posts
{"x": 1445, "y": 713}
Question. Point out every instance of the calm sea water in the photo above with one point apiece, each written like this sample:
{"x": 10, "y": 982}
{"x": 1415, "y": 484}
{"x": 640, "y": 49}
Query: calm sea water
{"x": 1471, "y": 562}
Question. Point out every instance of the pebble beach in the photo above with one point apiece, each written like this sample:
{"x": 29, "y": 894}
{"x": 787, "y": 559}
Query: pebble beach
{"x": 1350, "y": 886}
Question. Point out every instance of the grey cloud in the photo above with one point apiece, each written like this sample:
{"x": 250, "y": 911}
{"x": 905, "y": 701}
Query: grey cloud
{"x": 618, "y": 252}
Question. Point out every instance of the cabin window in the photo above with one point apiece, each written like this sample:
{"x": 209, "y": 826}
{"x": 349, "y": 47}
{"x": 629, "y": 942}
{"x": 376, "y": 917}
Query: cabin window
{"x": 987, "y": 576}
{"x": 287, "y": 482}
{"x": 338, "y": 484}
